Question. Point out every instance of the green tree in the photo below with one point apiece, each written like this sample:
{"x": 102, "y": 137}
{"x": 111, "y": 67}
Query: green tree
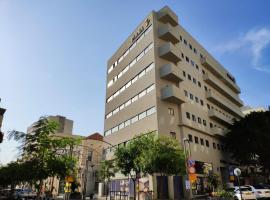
{"x": 106, "y": 172}
{"x": 165, "y": 156}
{"x": 248, "y": 140}
{"x": 42, "y": 147}
{"x": 129, "y": 158}
{"x": 150, "y": 154}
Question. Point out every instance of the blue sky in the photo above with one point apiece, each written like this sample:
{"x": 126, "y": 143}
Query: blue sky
{"x": 53, "y": 54}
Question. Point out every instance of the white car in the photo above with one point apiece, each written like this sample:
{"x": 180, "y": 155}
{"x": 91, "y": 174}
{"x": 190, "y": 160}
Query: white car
{"x": 247, "y": 193}
{"x": 259, "y": 191}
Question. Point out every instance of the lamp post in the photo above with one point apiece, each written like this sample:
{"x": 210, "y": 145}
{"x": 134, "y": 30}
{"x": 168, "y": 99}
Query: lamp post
{"x": 237, "y": 172}
{"x": 189, "y": 193}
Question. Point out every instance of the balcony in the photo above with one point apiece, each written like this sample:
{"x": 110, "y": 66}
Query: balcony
{"x": 166, "y": 15}
{"x": 168, "y": 33}
{"x": 217, "y": 131}
{"x": 213, "y": 114}
{"x": 212, "y": 68}
{"x": 172, "y": 94}
{"x": 215, "y": 83}
{"x": 235, "y": 111}
{"x": 171, "y": 73}
{"x": 169, "y": 52}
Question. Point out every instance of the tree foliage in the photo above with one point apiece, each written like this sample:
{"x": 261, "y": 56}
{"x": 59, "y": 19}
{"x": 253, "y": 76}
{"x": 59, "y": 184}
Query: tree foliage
{"x": 150, "y": 154}
{"x": 249, "y": 138}
{"x": 41, "y": 154}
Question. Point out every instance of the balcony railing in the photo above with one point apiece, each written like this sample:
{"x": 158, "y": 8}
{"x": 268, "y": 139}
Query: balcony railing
{"x": 168, "y": 33}
{"x": 234, "y": 110}
{"x": 171, "y": 73}
{"x": 211, "y": 67}
{"x": 215, "y": 115}
{"x": 172, "y": 94}
{"x": 170, "y": 52}
{"x": 166, "y": 15}
{"x": 215, "y": 83}
{"x": 217, "y": 131}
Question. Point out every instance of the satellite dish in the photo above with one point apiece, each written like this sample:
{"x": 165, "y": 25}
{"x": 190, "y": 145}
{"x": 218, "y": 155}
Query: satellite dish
{"x": 237, "y": 172}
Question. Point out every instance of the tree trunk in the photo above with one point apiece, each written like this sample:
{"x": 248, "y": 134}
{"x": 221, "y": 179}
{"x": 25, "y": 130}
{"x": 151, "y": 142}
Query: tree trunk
{"x": 134, "y": 187}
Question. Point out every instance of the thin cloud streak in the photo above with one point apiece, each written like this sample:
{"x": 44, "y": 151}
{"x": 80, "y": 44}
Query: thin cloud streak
{"x": 254, "y": 41}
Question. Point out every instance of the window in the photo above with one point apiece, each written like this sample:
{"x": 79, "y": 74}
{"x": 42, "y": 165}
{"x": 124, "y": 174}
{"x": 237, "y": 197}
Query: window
{"x": 110, "y": 83}
{"x": 115, "y": 129}
{"x": 140, "y": 56}
{"x": 205, "y": 88}
{"x": 204, "y": 122}
{"x": 190, "y": 138}
{"x": 186, "y": 93}
{"x": 142, "y": 115}
{"x": 122, "y": 107}
{"x": 185, "y": 42}
{"x": 190, "y": 46}
{"x": 184, "y": 73}
{"x": 128, "y": 103}
{"x": 192, "y": 63}
{"x": 188, "y": 115}
{"x": 195, "y": 51}
{"x": 181, "y": 38}
{"x": 201, "y": 55}
{"x": 208, "y": 106}
{"x": 203, "y": 71}
{"x": 132, "y": 63}
{"x": 197, "y": 99}
{"x": 199, "y": 84}
{"x": 214, "y": 145}
{"x": 127, "y": 123}
{"x": 197, "y": 67}
{"x": 170, "y": 111}
{"x": 134, "y": 119}
{"x": 187, "y": 59}
{"x": 218, "y": 146}
{"x": 201, "y": 102}
{"x": 207, "y": 143}
{"x": 173, "y": 135}
{"x": 121, "y": 125}
{"x": 150, "y": 88}
{"x": 199, "y": 120}
{"x": 194, "y": 81}
{"x": 115, "y": 111}
{"x": 134, "y": 99}
{"x": 196, "y": 140}
{"x": 211, "y": 125}
{"x": 151, "y": 111}
{"x": 194, "y": 118}
{"x": 134, "y": 79}
{"x": 142, "y": 94}
{"x": 142, "y": 74}
{"x": 191, "y": 96}
{"x": 182, "y": 55}
{"x": 202, "y": 141}
{"x": 189, "y": 77}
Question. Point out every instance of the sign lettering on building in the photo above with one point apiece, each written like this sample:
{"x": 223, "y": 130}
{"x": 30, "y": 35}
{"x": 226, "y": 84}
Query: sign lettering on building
{"x": 141, "y": 30}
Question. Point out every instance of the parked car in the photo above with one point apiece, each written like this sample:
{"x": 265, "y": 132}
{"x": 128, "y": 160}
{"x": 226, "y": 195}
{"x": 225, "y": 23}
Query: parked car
{"x": 247, "y": 193}
{"x": 27, "y": 194}
{"x": 259, "y": 191}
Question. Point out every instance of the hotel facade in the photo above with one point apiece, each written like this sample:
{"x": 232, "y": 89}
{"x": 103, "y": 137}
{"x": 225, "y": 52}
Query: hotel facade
{"x": 161, "y": 79}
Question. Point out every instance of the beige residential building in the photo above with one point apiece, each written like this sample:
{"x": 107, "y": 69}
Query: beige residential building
{"x": 161, "y": 79}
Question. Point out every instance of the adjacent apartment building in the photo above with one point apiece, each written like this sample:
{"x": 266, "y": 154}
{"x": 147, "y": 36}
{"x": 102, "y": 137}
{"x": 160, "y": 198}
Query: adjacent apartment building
{"x": 2, "y": 112}
{"x": 161, "y": 79}
{"x": 88, "y": 154}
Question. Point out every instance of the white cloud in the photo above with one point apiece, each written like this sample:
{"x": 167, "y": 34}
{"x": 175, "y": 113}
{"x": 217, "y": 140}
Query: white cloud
{"x": 254, "y": 41}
